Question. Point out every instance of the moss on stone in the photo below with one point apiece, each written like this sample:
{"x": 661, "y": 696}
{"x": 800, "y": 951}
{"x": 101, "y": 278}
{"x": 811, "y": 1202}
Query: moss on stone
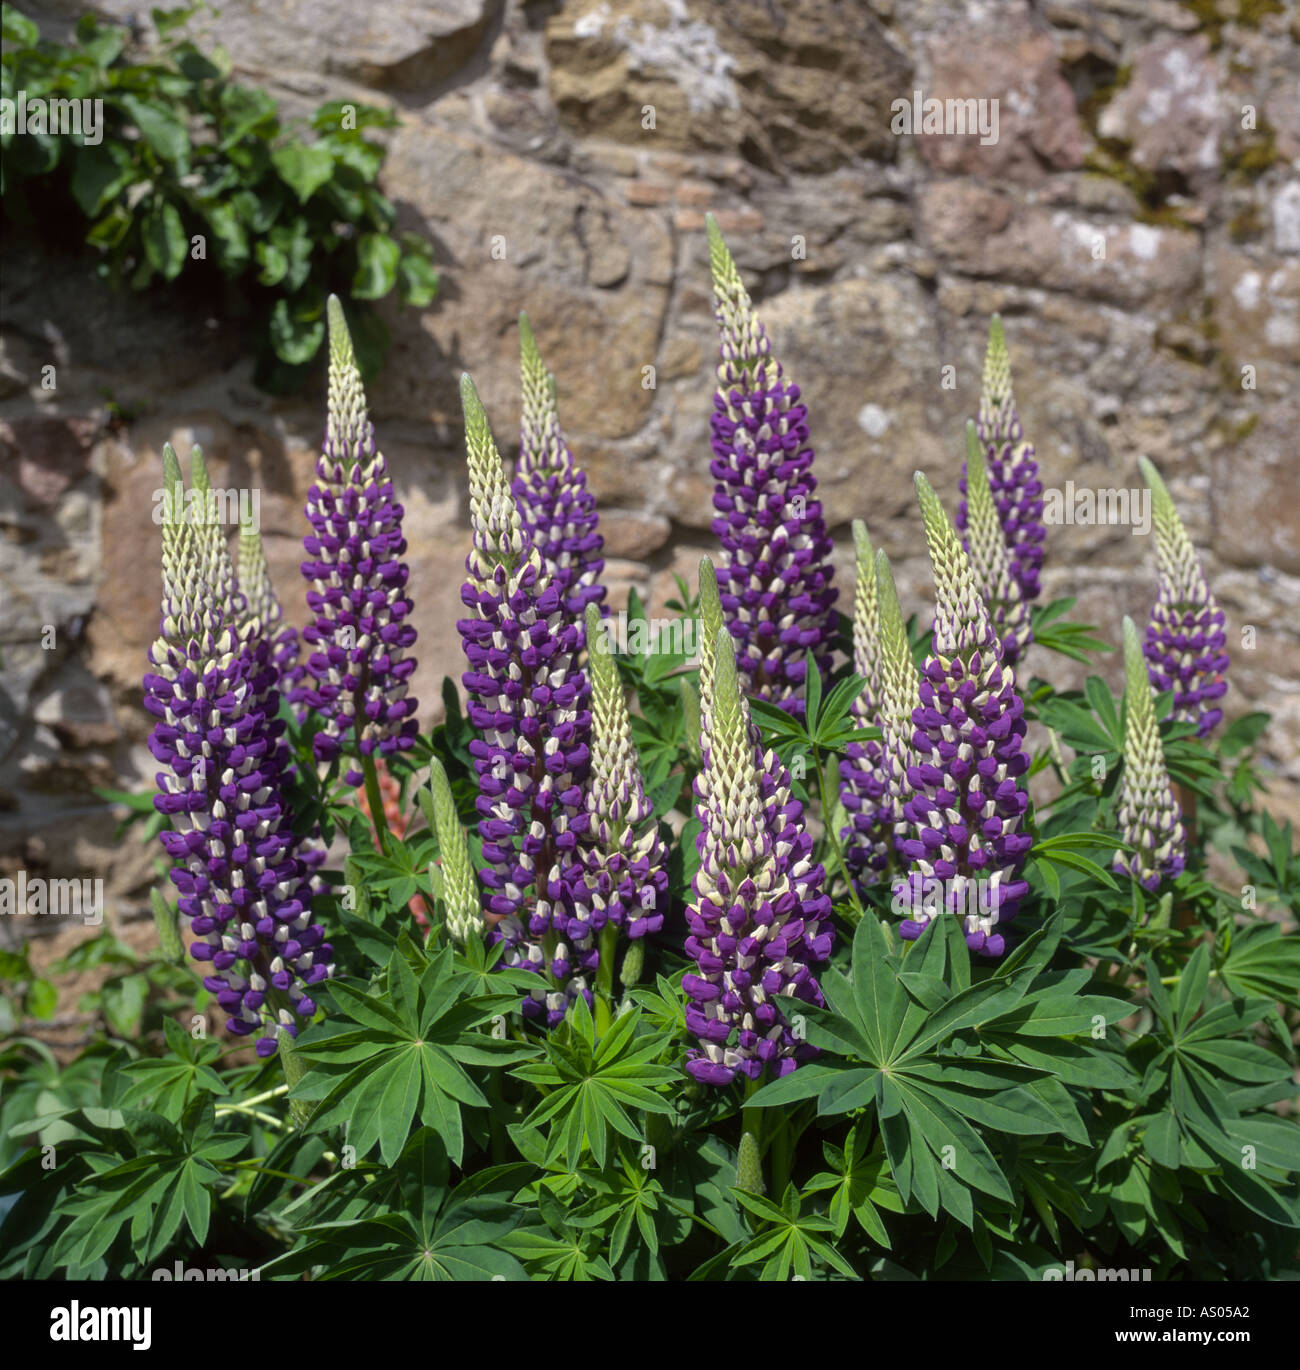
{"x": 1110, "y": 158}
{"x": 1239, "y": 432}
{"x": 1246, "y": 224}
{"x": 1255, "y": 154}
{"x": 1211, "y": 18}
{"x": 1091, "y": 107}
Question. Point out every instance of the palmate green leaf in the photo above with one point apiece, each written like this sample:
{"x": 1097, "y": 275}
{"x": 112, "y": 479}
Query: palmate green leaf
{"x": 1061, "y": 856}
{"x": 410, "y": 1224}
{"x": 861, "y": 1185}
{"x": 1261, "y": 960}
{"x": 1074, "y": 640}
{"x": 900, "y": 1042}
{"x": 170, "y": 1082}
{"x": 790, "y": 1240}
{"x": 172, "y": 1174}
{"x": 576, "y": 1257}
{"x": 777, "y": 725}
{"x": 592, "y": 1081}
{"x": 629, "y": 1202}
{"x": 1078, "y": 728}
{"x": 401, "y": 1060}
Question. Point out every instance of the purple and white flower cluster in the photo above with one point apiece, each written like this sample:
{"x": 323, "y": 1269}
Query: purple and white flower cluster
{"x": 1013, "y": 479}
{"x": 357, "y": 677}
{"x": 760, "y": 916}
{"x": 214, "y": 692}
{"x": 1185, "y": 639}
{"x": 529, "y": 703}
{"x": 968, "y": 756}
{"x": 774, "y": 577}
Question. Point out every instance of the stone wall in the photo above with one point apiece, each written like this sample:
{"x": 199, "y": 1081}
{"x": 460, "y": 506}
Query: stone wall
{"x": 1137, "y": 223}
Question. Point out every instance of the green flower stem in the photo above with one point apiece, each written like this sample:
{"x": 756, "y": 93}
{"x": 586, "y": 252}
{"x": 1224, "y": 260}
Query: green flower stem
{"x": 833, "y": 839}
{"x": 605, "y": 979}
{"x": 1174, "y": 979}
{"x": 782, "y": 1155}
{"x": 264, "y": 1170}
{"x": 268, "y": 1118}
{"x": 294, "y": 1069}
{"x": 259, "y": 1098}
{"x": 373, "y": 798}
{"x": 500, "y": 1152}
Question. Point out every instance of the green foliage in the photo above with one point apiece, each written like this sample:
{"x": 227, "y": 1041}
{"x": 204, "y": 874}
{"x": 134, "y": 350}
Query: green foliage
{"x": 591, "y": 1082}
{"x": 191, "y": 176}
{"x": 1117, "y": 1088}
{"x": 1118, "y": 1085}
{"x": 401, "y": 1051}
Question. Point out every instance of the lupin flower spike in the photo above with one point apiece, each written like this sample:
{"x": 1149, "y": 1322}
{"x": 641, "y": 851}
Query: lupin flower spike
{"x": 899, "y": 696}
{"x": 263, "y": 605}
{"x": 1012, "y": 470}
{"x": 759, "y": 915}
{"x": 263, "y": 617}
{"x": 968, "y": 751}
{"x": 775, "y": 573}
{"x": 182, "y": 614}
{"x": 626, "y": 875}
{"x": 357, "y": 676}
{"x": 990, "y": 559}
{"x": 691, "y": 718}
{"x": 557, "y": 508}
{"x": 1185, "y": 638}
{"x": 867, "y": 836}
{"x": 459, "y": 888}
{"x": 245, "y": 892}
{"x": 529, "y": 702}
{"x": 1148, "y": 815}
{"x": 215, "y": 564}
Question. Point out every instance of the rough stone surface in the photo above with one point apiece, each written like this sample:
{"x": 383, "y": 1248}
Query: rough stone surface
{"x": 802, "y": 87}
{"x": 1038, "y": 128}
{"x": 1169, "y": 112}
{"x": 1137, "y": 224}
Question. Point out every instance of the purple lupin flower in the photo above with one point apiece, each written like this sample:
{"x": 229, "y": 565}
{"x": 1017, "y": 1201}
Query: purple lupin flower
{"x": 529, "y": 702}
{"x": 550, "y": 489}
{"x": 263, "y": 617}
{"x": 1149, "y": 817}
{"x": 968, "y": 752}
{"x": 623, "y": 856}
{"x": 759, "y": 915}
{"x": 864, "y": 784}
{"x": 990, "y": 558}
{"x": 1185, "y": 638}
{"x": 1012, "y": 470}
{"x": 357, "y": 676}
{"x": 263, "y": 604}
{"x": 899, "y": 695}
{"x": 219, "y": 745}
{"x": 775, "y": 574}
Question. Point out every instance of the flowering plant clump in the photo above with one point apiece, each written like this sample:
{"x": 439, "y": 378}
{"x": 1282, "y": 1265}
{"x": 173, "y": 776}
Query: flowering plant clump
{"x": 835, "y": 949}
